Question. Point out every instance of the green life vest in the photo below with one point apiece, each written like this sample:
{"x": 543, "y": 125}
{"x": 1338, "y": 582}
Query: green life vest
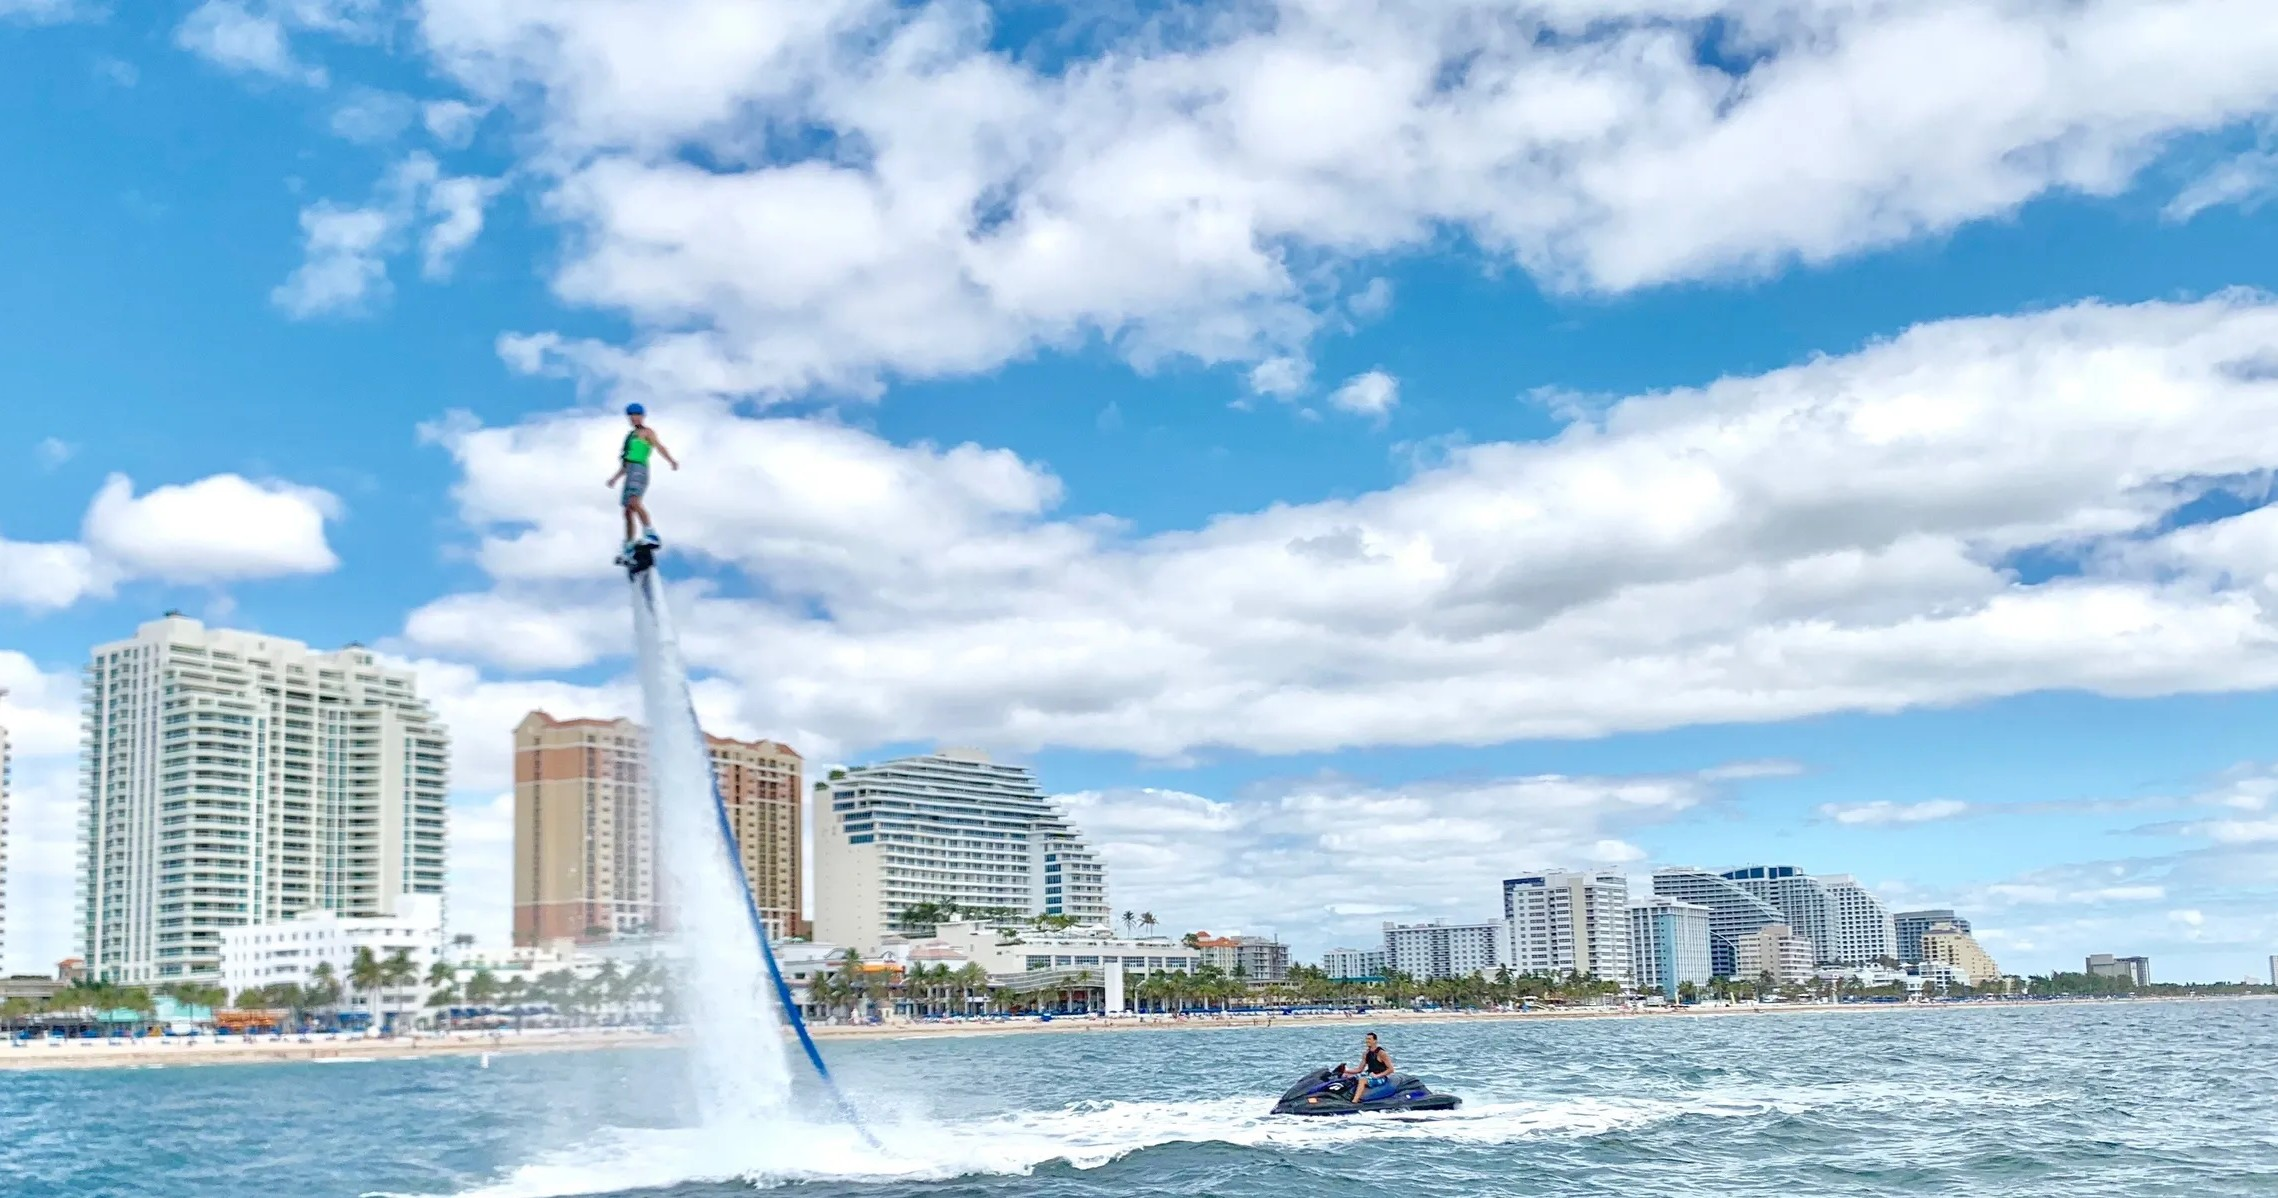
{"x": 636, "y": 449}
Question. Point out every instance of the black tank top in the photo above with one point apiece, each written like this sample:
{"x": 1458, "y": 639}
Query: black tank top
{"x": 1373, "y": 1061}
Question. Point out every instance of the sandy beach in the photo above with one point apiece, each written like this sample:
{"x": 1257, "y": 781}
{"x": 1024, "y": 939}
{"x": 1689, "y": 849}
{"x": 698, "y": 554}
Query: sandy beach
{"x": 151, "y": 1053}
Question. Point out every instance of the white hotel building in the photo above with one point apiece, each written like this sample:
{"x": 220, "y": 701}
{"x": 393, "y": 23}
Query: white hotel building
{"x": 290, "y": 950}
{"x": 6, "y": 780}
{"x": 1563, "y": 923}
{"x": 953, "y": 827}
{"x": 1429, "y": 952}
{"x": 231, "y": 779}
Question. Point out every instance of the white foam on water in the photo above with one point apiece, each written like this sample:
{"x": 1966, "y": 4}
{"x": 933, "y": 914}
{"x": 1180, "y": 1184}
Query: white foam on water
{"x": 1082, "y": 1136}
{"x": 740, "y": 1065}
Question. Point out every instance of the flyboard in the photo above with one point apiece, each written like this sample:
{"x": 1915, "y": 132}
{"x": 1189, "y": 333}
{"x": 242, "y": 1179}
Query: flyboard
{"x": 639, "y": 562}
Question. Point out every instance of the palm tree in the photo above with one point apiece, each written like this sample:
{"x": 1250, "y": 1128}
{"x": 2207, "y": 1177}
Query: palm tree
{"x": 366, "y": 974}
{"x": 1128, "y": 920}
{"x": 1147, "y": 922}
{"x": 970, "y": 979}
{"x": 397, "y": 972}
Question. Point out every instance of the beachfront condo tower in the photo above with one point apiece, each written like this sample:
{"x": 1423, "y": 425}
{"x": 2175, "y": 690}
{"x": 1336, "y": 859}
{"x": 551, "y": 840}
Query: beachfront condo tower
{"x": 1910, "y": 925}
{"x": 7, "y": 780}
{"x": 1669, "y": 944}
{"x": 953, "y": 828}
{"x": 1844, "y": 924}
{"x": 585, "y": 829}
{"x": 1950, "y": 944}
{"x": 1562, "y": 923}
{"x": 1859, "y": 925}
{"x": 1733, "y": 912}
{"x": 230, "y": 778}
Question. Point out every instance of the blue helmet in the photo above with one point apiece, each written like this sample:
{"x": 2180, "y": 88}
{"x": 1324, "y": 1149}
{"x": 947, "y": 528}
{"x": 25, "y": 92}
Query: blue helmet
{"x": 634, "y": 409}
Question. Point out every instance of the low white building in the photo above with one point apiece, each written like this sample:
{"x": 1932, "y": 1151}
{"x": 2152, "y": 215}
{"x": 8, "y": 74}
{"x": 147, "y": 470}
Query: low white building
{"x": 1429, "y": 952}
{"x": 1004, "y": 952}
{"x": 291, "y": 950}
{"x": 1353, "y": 964}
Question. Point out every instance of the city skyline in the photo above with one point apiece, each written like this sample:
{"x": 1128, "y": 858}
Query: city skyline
{"x": 1576, "y": 451}
{"x": 1774, "y": 890}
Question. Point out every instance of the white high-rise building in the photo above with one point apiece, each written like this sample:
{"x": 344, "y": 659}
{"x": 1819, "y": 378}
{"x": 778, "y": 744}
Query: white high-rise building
{"x": 1669, "y": 944}
{"x": 230, "y": 778}
{"x": 1563, "y": 923}
{"x": 1430, "y": 952}
{"x": 7, "y": 780}
{"x": 1803, "y": 903}
{"x": 1861, "y": 928}
{"x": 951, "y": 828}
{"x": 1733, "y": 913}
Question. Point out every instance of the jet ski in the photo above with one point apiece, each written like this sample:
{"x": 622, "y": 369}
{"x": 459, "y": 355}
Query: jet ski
{"x": 1330, "y": 1092}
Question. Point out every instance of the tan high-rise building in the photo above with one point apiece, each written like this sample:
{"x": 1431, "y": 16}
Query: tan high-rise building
{"x": 1950, "y": 944}
{"x": 585, "y": 829}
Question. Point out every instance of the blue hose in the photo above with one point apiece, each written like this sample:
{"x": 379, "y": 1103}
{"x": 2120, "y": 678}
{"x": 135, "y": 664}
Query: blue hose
{"x": 647, "y": 588}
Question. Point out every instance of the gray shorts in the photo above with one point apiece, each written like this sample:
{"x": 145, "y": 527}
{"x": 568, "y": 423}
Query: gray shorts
{"x": 636, "y": 482}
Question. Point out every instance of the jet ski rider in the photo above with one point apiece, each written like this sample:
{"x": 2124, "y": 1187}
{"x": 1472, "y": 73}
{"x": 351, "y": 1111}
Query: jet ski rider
{"x": 1375, "y": 1070}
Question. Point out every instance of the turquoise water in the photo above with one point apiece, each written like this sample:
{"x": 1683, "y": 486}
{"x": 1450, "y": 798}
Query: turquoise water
{"x": 2119, "y": 1100}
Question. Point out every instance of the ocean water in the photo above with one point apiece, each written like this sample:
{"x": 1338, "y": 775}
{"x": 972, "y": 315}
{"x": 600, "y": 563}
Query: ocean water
{"x": 2118, "y": 1100}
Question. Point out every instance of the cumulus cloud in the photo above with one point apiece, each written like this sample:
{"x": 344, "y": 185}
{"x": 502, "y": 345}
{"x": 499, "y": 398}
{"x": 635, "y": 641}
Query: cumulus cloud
{"x": 217, "y": 529}
{"x": 1222, "y": 189}
{"x": 1830, "y": 537}
{"x": 1373, "y": 394}
{"x": 1882, "y": 811}
{"x": 256, "y": 36}
{"x": 238, "y": 38}
{"x": 451, "y": 122}
{"x": 343, "y": 265}
{"x": 346, "y": 249}
{"x": 1290, "y": 855}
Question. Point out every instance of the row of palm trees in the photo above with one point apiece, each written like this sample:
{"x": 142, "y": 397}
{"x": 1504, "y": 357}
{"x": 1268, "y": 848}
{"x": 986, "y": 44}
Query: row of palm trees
{"x": 611, "y": 992}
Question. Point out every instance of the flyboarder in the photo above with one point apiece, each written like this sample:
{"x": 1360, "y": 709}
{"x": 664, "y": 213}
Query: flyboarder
{"x": 633, "y": 469}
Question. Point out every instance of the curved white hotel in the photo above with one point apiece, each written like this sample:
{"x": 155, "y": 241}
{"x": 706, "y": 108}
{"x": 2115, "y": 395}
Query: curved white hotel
{"x": 952, "y": 827}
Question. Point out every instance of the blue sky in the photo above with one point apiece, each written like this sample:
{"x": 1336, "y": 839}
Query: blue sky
{"x": 1352, "y": 480}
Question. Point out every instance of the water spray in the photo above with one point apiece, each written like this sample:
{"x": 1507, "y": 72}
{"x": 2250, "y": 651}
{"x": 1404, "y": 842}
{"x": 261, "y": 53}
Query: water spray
{"x": 666, "y": 691}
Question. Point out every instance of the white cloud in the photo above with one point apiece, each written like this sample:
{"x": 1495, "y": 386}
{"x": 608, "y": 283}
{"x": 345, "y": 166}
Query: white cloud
{"x": 40, "y": 711}
{"x": 372, "y": 116}
{"x": 1325, "y": 861}
{"x": 1282, "y": 377}
{"x": 2246, "y": 181}
{"x": 1373, "y": 394}
{"x": 221, "y": 527}
{"x": 41, "y": 12}
{"x": 1830, "y": 537}
{"x": 234, "y": 36}
{"x": 54, "y": 452}
{"x": 344, "y": 269}
{"x": 1882, "y": 811}
{"x": 481, "y": 886}
{"x": 457, "y": 208}
{"x": 452, "y": 122}
{"x": 216, "y": 529}
{"x": 1223, "y": 200}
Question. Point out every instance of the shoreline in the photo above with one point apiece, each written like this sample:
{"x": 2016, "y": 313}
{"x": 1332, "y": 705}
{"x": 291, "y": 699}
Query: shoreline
{"x": 206, "y": 1051}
